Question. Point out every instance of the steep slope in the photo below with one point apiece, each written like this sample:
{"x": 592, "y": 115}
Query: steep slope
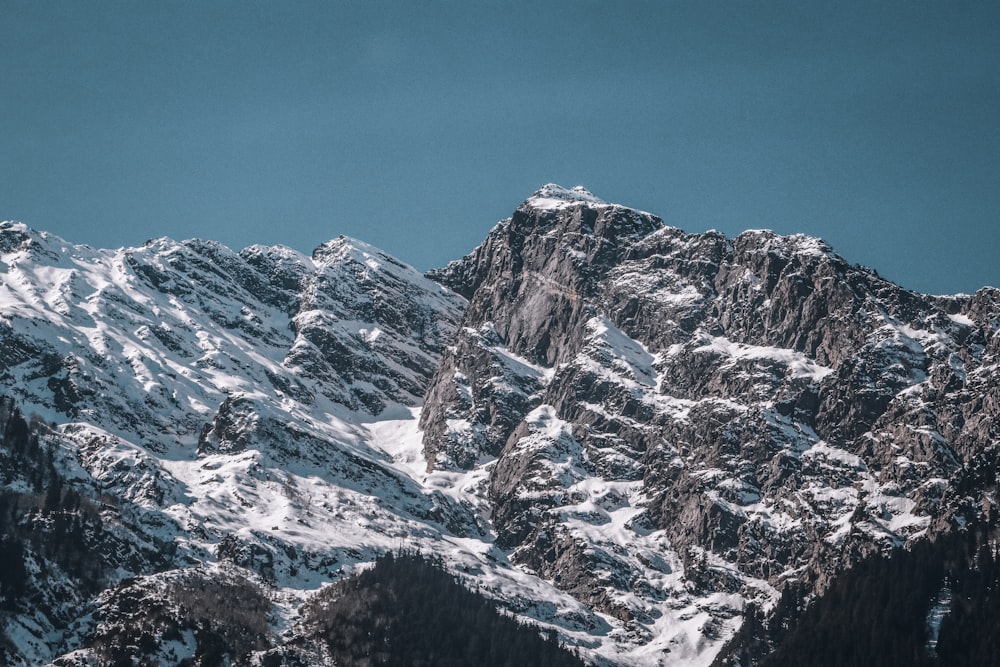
{"x": 676, "y": 424}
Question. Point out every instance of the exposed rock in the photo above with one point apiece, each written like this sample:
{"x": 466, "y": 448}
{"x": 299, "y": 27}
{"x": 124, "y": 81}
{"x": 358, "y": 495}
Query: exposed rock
{"x": 758, "y": 400}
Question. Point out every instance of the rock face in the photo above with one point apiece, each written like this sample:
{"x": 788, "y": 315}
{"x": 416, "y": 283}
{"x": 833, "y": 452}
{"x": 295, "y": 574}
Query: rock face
{"x": 763, "y": 409}
{"x": 618, "y": 430}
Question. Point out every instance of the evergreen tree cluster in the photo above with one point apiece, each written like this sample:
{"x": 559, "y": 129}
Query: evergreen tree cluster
{"x": 408, "y": 610}
{"x": 873, "y": 614}
{"x": 48, "y": 530}
{"x": 969, "y": 633}
{"x": 877, "y": 613}
{"x": 40, "y": 514}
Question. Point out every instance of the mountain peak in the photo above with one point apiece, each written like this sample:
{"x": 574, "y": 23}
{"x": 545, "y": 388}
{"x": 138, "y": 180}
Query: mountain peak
{"x": 346, "y": 248}
{"x": 13, "y": 235}
{"x": 553, "y": 197}
{"x": 19, "y": 237}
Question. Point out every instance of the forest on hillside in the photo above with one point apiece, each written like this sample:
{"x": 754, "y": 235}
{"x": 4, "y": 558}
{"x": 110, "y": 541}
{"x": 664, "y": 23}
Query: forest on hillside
{"x": 408, "y": 609}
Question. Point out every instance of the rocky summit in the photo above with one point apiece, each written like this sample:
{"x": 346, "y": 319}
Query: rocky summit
{"x": 621, "y": 432}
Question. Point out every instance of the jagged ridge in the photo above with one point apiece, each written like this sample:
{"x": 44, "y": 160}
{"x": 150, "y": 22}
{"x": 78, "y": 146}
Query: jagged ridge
{"x": 629, "y": 432}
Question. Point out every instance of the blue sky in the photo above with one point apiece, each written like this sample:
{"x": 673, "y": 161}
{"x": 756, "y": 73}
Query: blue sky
{"x": 416, "y": 126}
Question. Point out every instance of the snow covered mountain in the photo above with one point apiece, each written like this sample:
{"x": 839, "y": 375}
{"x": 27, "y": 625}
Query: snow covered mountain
{"x": 616, "y": 429}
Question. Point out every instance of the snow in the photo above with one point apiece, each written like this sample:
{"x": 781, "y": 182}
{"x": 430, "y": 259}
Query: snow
{"x": 936, "y": 615}
{"x": 810, "y": 245}
{"x": 837, "y": 455}
{"x": 552, "y": 197}
{"x": 961, "y": 319}
{"x": 175, "y": 650}
{"x": 799, "y": 244}
{"x": 516, "y": 364}
{"x": 799, "y": 365}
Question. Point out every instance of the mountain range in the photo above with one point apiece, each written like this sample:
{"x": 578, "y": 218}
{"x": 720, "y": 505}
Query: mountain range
{"x": 635, "y": 438}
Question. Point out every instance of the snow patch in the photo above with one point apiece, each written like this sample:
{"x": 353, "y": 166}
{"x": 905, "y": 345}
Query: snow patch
{"x": 552, "y": 197}
{"x": 799, "y": 365}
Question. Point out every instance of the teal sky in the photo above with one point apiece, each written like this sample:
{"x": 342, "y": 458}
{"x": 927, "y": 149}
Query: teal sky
{"x": 415, "y": 126}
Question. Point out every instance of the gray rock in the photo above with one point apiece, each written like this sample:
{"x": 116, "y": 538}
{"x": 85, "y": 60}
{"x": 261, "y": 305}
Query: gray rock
{"x": 778, "y": 408}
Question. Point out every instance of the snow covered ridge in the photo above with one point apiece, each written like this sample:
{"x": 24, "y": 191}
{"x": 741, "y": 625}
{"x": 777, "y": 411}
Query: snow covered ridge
{"x": 224, "y": 398}
{"x": 621, "y": 431}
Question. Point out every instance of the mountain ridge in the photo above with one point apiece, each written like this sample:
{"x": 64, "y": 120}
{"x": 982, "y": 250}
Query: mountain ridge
{"x": 619, "y": 430}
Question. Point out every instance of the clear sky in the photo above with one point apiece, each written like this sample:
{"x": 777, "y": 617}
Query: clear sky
{"x": 415, "y": 126}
